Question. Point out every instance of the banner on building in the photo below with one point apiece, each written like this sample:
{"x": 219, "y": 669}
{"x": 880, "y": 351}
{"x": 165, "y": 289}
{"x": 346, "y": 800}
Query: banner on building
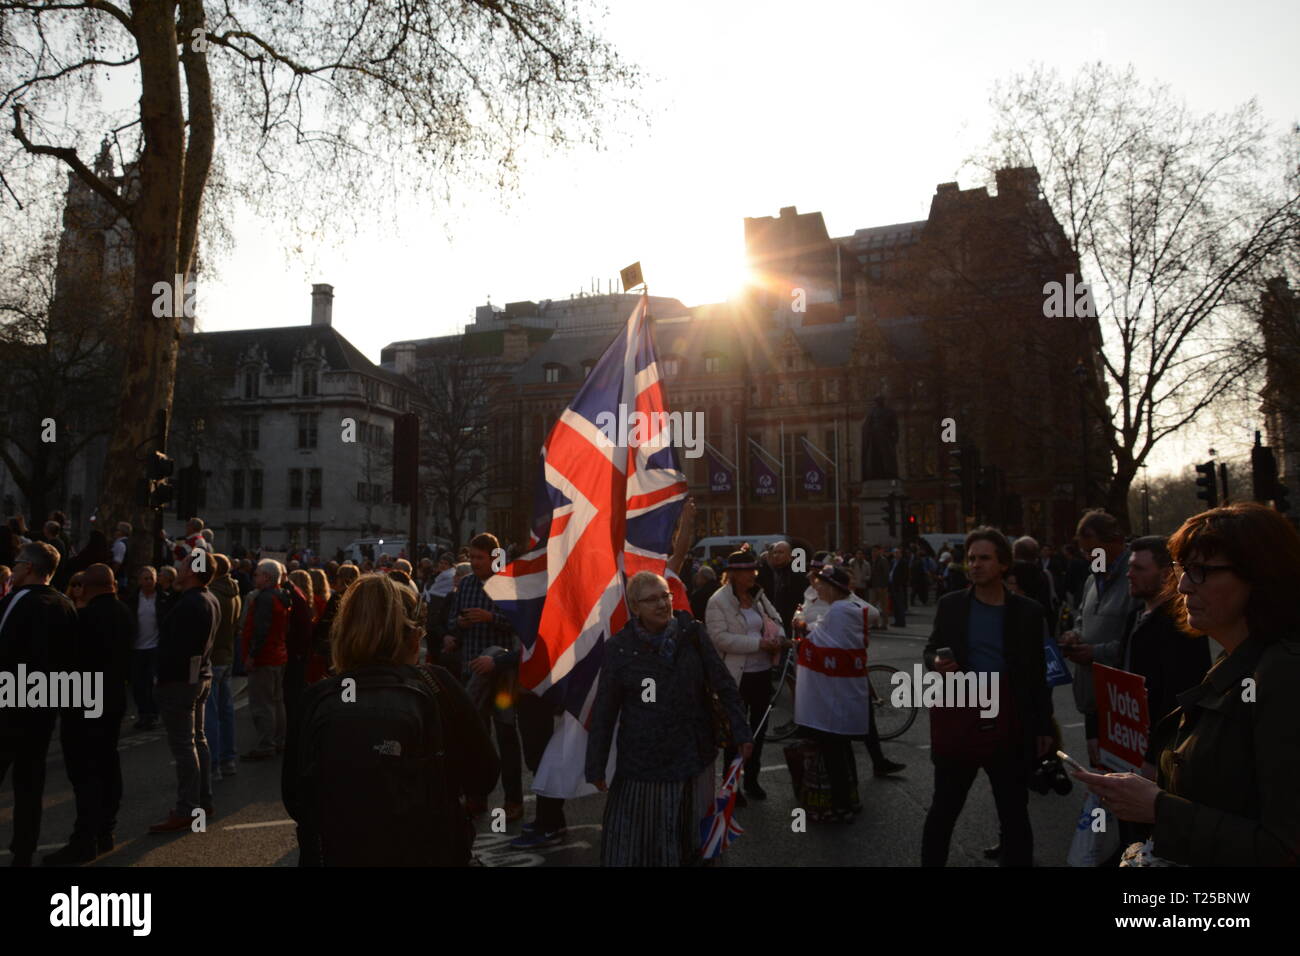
{"x": 814, "y": 475}
{"x": 720, "y": 471}
{"x": 766, "y": 482}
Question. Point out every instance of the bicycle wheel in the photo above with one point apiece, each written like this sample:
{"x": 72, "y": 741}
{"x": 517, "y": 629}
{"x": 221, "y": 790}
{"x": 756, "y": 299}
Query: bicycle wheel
{"x": 780, "y": 722}
{"x": 890, "y": 721}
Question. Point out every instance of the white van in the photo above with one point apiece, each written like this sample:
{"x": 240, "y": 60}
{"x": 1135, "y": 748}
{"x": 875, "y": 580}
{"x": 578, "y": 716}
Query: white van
{"x": 719, "y": 547}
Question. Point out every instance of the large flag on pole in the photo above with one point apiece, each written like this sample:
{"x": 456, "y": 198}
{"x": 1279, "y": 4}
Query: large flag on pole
{"x": 765, "y": 479}
{"x": 602, "y": 511}
{"x": 720, "y": 470}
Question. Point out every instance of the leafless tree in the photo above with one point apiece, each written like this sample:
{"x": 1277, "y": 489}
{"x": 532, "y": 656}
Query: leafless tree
{"x": 1175, "y": 217}
{"x": 327, "y": 110}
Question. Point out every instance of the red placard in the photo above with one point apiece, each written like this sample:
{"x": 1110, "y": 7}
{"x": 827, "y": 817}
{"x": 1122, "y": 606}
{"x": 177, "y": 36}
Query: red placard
{"x": 1123, "y": 722}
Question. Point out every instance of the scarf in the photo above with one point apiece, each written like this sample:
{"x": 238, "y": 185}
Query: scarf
{"x": 664, "y": 643}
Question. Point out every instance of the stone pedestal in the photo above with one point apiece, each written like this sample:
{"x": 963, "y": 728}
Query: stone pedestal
{"x": 872, "y": 499}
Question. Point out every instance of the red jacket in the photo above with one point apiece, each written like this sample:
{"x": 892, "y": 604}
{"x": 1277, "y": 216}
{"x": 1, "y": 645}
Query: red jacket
{"x": 268, "y": 621}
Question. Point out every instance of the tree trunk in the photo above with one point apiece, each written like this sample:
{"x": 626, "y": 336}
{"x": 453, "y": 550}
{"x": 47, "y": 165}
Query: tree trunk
{"x": 1117, "y": 498}
{"x": 150, "y": 362}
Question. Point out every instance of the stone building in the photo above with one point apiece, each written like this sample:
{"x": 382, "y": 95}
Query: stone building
{"x": 943, "y": 319}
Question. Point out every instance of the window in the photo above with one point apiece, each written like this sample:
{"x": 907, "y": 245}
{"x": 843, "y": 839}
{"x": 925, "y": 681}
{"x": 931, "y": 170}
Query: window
{"x": 249, "y": 431}
{"x": 236, "y": 489}
{"x": 672, "y": 366}
{"x": 314, "y": 488}
{"x": 309, "y": 380}
{"x": 307, "y": 430}
{"x": 254, "y": 495}
{"x": 295, "y": 487}
{"x": 363, "y": 492}
{"x": 552, "y": 373}
{"x": 377, "y": 494}
{"x": 712, "y": 364}
{"x": 251, "y": 377}
{"x": 587, "y": 366}
{"x": 255, "y": 534}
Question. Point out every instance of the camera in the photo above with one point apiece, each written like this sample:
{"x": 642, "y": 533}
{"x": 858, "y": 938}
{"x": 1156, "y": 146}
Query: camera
{"x": 1050, "y": 775}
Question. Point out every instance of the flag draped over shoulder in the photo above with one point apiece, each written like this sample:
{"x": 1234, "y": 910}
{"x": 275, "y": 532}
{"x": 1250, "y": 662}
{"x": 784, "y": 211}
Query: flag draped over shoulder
{"x": 605, "y": 504}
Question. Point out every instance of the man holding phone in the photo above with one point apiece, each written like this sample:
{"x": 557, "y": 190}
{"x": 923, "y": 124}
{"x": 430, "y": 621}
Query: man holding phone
{"x": 987, "y": 629}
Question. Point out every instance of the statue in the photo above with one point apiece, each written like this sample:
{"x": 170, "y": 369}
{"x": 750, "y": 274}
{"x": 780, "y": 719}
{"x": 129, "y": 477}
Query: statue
{"x": 880, "y": 442}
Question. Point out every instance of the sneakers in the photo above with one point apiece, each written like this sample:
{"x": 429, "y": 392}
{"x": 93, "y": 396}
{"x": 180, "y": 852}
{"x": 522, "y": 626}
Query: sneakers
{"x": 534, "y": 839}
{"x": 229, "y": 768}
{"x": 173, "y": 824}
{"x": 75, "y": 853}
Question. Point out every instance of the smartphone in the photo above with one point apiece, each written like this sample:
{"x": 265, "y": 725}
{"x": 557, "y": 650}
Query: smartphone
{"x": 1067, "y": 759}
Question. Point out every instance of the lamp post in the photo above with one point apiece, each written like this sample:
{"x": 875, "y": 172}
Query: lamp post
{"x": 1081, "y": 374}
{"x": 1146, "y": 501}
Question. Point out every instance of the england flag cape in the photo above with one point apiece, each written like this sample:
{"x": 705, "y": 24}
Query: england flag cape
{"x": 831, "y": 687}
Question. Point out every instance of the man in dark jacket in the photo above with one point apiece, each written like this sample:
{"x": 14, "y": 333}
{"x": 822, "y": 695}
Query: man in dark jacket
{"x": 37, "y": 627}
{"x": 220, "y": 718}
{"x": 102, "y": 646}
{"x": 988, "y": 630}
{"x": 783, "y": 585}
{"x": 184, "y": 680}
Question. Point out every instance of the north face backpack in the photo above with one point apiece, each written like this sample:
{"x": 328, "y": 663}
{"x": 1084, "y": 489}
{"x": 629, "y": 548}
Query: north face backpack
{"x": 372, "y": 772}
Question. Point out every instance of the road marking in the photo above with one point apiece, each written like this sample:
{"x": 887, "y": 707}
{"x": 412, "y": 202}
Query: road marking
{"x": 1068, "y": 726}
{"x": 42, "y": 847}
{"x": 264, "y": 823}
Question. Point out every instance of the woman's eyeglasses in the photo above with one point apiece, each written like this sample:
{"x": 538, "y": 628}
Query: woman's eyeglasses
{"x": 1198, "y": 572}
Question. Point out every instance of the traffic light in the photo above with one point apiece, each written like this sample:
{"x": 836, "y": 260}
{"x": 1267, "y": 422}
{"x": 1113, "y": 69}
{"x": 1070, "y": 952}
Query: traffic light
{"x": 1263, "y": 472}
{"x": 966, "y": 469}
{"x": 891, "y": 515}
{"x": 1209, "y": 492}
{"x": 155, "y": 489}
{"x": 910, "y": 527}
{"x": 1265, "y": 484}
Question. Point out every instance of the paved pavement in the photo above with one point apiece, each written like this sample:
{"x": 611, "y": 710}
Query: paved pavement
{"x": 251, "y": 827}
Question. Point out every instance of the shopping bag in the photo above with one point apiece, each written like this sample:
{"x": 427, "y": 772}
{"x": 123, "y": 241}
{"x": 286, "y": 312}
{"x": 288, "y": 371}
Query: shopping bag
{"x": 1092, "y": 847}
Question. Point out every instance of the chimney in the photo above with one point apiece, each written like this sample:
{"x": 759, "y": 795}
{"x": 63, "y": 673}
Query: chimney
{"x": 322, "y": 304}
{"x": 404, "y": 359}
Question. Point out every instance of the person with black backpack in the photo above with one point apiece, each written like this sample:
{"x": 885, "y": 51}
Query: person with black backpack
{"x": 382, "y": 755}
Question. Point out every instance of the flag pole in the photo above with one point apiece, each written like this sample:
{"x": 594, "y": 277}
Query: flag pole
{"x": 736, "y": 427}
{"x": 784, "y": 523}
{"x": 838, "y": 543}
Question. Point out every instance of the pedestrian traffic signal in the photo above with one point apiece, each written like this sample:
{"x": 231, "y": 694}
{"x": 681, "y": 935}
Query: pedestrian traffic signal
{"x": 910, "y": 527}
{"x": 155, "y": 489}
{"x": 1209, "y": 492}
{"x": 966, "y": 467}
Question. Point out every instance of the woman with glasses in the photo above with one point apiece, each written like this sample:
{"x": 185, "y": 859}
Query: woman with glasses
{"x": 1227, "y": 787}
{"x": 654, "y": 684}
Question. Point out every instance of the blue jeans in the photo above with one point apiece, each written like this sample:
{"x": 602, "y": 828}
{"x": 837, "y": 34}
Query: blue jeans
{"x": 221, "y": 715}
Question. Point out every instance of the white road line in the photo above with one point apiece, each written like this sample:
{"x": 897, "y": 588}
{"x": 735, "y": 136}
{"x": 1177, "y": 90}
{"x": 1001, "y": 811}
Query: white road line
{"x": 265, "y": 823}
{"x": 1068, "y": 726}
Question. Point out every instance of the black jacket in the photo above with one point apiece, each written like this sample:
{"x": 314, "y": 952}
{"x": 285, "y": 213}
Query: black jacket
{"x": 671, "y": 737}
{"x": 38, "y": 634}
{"x": 187, "y": 632}
{"x": 1022, "y": 650}
{"x": 1230, "y": 767}
{"x": 785, "y": 591}
{"x": 103, "y": 644}
{"x": 1169, "y": 660}
{"x": 162, "y": 604}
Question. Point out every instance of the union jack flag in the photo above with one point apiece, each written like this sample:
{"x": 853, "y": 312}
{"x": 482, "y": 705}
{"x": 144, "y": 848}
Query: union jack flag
{"x": 719, "y": 828}
{"x": 602, "y": 511}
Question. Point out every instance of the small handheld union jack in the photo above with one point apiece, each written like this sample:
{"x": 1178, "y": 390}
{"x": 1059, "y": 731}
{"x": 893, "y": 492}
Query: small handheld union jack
{"x": 719, "y": 828}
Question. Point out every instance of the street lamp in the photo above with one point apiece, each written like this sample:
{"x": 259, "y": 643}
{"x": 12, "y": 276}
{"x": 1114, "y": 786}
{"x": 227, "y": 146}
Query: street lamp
{"x": 1146, "y": 501}
{"x": 1081, "y": 374}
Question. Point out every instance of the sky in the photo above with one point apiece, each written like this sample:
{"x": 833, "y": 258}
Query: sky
{"x": 855, "y": 109}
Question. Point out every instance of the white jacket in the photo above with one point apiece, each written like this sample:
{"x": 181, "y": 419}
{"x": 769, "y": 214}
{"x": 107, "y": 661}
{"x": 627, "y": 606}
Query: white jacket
{"x": 728, "y": 630}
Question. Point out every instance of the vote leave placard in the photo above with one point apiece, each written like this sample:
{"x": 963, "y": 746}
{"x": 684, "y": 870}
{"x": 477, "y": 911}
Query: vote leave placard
{"x": 1123, "y": 723}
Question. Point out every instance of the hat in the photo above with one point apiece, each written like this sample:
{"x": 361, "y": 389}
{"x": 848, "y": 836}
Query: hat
{"x": 819, "y": 560}
{"x": 836, "y": 575}
{"x": 945, "y": 558}
{"x": 741, "y": 561}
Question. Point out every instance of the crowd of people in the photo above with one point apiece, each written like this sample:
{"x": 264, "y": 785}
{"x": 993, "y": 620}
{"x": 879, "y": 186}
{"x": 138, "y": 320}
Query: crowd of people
{"x": 393, "y": 685}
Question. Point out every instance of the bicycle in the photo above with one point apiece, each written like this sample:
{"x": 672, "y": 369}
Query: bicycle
{"x": 890, "y": 721}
